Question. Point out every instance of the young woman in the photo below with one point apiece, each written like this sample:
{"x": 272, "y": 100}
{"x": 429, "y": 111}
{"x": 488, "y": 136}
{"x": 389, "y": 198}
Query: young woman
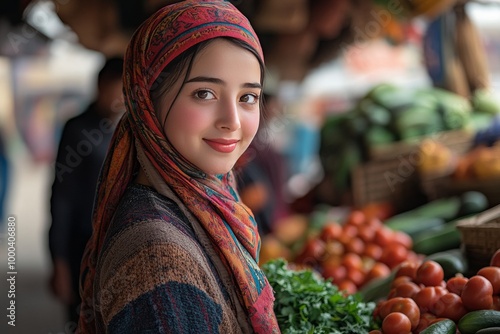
{"x": 173, "y": 249}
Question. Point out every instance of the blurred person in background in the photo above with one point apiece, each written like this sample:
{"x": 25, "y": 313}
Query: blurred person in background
{"x": 82, "y": 149}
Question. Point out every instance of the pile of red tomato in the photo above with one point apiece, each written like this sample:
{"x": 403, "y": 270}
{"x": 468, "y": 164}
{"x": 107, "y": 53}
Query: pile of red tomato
{"x": 420, "y": 297}
{"x": 357, "y": 251}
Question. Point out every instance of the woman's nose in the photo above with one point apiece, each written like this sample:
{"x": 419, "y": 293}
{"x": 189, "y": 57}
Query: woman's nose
{"x": 229, "y": 117}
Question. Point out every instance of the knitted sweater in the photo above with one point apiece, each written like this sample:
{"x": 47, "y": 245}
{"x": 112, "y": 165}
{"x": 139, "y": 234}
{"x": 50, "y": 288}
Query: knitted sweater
{"x": 153, "y": 276}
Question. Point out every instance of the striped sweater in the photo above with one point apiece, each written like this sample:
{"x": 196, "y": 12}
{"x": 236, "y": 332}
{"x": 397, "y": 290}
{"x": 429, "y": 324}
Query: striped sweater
{"x": 153, "y": 275}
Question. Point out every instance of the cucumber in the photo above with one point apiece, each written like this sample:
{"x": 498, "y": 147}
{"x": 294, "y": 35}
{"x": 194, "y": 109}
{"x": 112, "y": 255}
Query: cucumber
{"x": 425, "y": 216}
{"x": 476, "y": 320}
{"x": 445, "y": 326}
{"x": 414, "y": 225}
{"x": 452, "y": 261}
{"x": 446, "y": 238}
{"x": 489, "y": 330}
{"x": 472, "y": 202}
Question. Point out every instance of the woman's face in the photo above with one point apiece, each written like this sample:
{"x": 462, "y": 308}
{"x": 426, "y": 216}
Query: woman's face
{"x": 216, "y": 114}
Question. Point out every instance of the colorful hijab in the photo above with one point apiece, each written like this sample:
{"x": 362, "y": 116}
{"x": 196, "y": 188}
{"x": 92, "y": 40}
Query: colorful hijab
{"x": 139, "y": 142}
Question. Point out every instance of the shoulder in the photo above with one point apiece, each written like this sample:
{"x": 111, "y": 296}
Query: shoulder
{"x": 152, "y": 258}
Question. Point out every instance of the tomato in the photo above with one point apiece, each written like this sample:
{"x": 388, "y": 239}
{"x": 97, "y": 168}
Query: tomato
{"x": 456, "y": 284}
{"x": 374, "y": 222}
{"x": 492, "y": 274}
{"x": 373, "y": 251}
{"x": 403, "y": 239}
{"x": 384, "y": 307}
{"x": 450, "y": 306}
{"x": 429, "y": 273}
{"x": 352, "y": 260}
{"x": 407, "y": 268}
{"x": 427, "y": 297}
{"x": 336, "y": 272}
{"x": 404, "y": 305}
{"x": 396, "y": 323}
{"x": 366, "y": 233}
{"x": 312, "y": 252}
{"x": 356, "y": 276}
{"x": 383, "y": 236}
{"x": 355, "y": 245}
{"x": 378, "y": 270}
{"x": 406, "y": 289}
{"x": 375, "y": 331}
{"x": 356, "y": 218}
{"x": 495, "y": 259}
{"x": 347, "y": 286}
{"x": 496, "y": 303}
{"x": 394, "y": 254}
{"x": 477, "y": 293}
{"x": 399, "y": 280}
{"x": 331, "y": 231}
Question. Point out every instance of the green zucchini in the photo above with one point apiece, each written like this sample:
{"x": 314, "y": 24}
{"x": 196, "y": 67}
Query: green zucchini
{"x": 446, "y": 238}
{"x": 445, "y": 326}
{"x": 476, "y": 320}
{"x": 489, "y": 330}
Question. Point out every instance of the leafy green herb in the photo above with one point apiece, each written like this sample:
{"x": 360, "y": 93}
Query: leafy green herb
{"x": 306, "y": 303}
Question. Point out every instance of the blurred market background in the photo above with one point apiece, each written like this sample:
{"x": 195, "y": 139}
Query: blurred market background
{"x": 356, "y": 81}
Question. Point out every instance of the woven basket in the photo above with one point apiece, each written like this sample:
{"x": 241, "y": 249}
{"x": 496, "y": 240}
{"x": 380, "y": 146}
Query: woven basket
{"x": 481, "y": 237}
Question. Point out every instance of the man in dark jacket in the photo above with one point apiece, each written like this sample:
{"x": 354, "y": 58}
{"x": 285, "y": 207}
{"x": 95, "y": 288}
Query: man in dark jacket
{"x": 81, "y": 153}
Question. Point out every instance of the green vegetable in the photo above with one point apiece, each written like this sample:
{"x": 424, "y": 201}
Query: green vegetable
{"x": 445, "y": 326}
{"x": 476, "y": 320}
{"x": 306, "y": 303}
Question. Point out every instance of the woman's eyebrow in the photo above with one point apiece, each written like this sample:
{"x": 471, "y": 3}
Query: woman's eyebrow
{"x": 222, "y": 82}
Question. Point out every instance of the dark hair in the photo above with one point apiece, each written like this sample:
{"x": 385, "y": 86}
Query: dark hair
{"x": 172, "y": 72}
{"x": 111, "y": 70}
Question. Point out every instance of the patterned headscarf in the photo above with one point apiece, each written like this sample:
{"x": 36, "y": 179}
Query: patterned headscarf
{"x": 139, "y": 142}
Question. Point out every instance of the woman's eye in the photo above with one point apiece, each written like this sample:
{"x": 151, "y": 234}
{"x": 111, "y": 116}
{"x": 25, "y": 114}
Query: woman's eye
{"x": 204, "y": 95}
{"x": 249, "y": 98}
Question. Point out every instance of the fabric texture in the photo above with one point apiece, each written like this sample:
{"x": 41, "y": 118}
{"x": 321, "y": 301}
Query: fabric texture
{"x": 139, "y": 142}
{"x": 170, "y": 290}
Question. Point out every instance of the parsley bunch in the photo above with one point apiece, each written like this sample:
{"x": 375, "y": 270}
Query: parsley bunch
{"x": 306, "y": 303}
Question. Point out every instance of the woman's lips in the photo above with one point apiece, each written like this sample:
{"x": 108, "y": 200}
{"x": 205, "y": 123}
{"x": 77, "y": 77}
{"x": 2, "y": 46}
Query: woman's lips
{"x": 222, "y": 145}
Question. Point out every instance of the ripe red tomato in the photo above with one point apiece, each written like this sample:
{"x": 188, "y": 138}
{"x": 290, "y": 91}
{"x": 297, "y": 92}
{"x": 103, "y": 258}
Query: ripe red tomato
{"x": 347, "y": 286}
{"x": 403, "y": 305}
{"x": 356, "y": 218}
{"x": 396, "y": 323}
{"x": 429, "y": 273}
{"x": 331, "y": 231}
{"x": 492, "y": 274}
{"x": 336, "y": 272}
{"x": 427, "y": 297}
{"x": 373, "y": 251}
{"x": 495, "y": 259}
{"x": 407, "y": 268}
{"x": 456, "y": 284}
{"x": 450, "y": 306}
{"x": 477, "y": 294}
{"x": 378, "y": 270}
{"x": 406, "y": 289}
{"x": 394, "y": 254}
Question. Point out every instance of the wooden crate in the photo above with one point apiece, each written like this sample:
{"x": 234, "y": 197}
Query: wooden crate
{"x": 392, "y": 175}
{"x": 395, "y": 181}
{"x": 481, "y": 236}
